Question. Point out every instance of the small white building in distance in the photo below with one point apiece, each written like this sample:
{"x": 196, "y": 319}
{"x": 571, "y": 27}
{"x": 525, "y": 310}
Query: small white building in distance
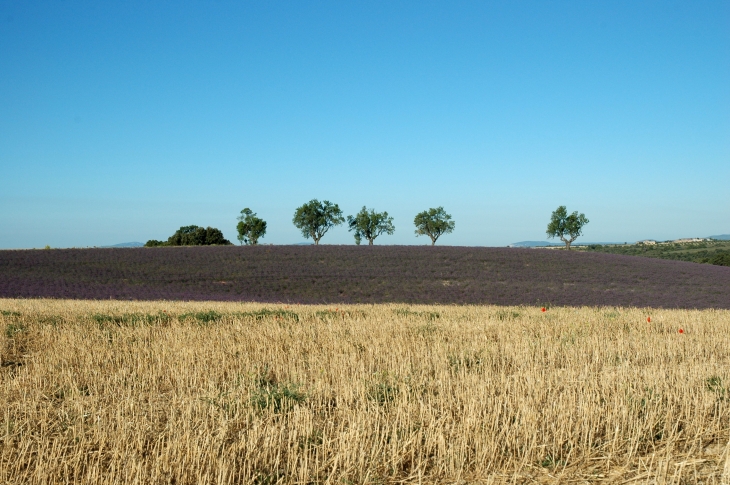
{"x": 689, "y": 240}
{"x": 646, "y": 241}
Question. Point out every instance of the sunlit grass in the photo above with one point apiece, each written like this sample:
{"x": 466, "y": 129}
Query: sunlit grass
{"x": 163, "y": 392}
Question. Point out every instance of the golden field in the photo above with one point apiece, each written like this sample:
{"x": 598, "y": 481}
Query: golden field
{"x": 188, "y": 393}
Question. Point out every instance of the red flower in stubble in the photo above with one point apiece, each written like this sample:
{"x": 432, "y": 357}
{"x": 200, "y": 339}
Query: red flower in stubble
{"x": 648, "y": 319}
{"x": 543, "y": 309}
{"x": 681, "y": 330}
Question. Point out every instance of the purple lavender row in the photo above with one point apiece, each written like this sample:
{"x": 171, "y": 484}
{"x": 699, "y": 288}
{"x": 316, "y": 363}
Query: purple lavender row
{"x": 352, "y": 274}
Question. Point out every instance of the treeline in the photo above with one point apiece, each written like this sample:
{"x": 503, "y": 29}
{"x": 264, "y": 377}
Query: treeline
{"x": 314, "y": 219}
{"x": 707, "y": 252}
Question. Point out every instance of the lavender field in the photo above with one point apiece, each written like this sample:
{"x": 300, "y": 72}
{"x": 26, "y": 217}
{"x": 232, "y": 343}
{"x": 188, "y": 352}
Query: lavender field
{"x": 354, "y": 274}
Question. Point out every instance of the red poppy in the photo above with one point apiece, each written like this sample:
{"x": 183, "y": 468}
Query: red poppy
{"x": 543, "y": 309}
{"x": 648, "y": 319}
{"x": 681, "y": 330}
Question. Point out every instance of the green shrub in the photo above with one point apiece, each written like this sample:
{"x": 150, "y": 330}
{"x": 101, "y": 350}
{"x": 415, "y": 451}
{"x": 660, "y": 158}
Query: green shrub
{"x": 405, "y": 312}
{"x": 714, "y": 384}
{"x": 507, "y": 315}
{"x": 279, "y": 397}
{"x": 272, "y": 394}
{"x": 427, "y": 330}
{"x": 383, "y": 389}
{"x": 328, "y": 314}
{"x": 467, "y": 362}
{"x": 720, "y": 259}
{"x": 192, "y": 236}
{"x": 131, "y": 319}
{"x": 211, "y": 316}
{"x": 152, "y": 243}
{"x": 266, "y": 313}
{"x": 13, "y": 329}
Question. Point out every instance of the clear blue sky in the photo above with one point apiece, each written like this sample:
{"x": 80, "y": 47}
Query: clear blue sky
{"x": 122, "y": 121}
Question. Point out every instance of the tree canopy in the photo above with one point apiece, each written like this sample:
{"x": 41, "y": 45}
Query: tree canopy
{"x": 192, "y": 236}
{"x": 566, "y": 227}
{"x": 721, "y": 258}
{"x": 370, "y": 224}
{"x": 250, "y": 228}
{"x": 433, "y": 223}
{"x": 315, "y": 218}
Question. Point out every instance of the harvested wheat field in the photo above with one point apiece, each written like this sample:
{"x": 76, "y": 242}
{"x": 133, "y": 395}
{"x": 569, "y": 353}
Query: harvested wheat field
{"x": 184, "y": 393}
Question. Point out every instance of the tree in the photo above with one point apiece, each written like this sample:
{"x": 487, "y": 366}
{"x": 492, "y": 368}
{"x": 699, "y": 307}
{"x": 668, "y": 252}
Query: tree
{"x": 152, "y": 243}
{"x": 566, "y": 227}
{"x": 315, "y": 218}
{"x": 193, "y": 236}
{"x": 214, "y": 236}
{"x": 370, "y": 225}
{"x": 721, "y": 258}
{"x": 187, "y": 236}
{"x": 250, "y": 228}
{"x": 433, "y": 223}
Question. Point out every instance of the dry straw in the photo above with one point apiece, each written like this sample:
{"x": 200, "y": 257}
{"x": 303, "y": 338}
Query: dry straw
{"x": 162, "y": 392}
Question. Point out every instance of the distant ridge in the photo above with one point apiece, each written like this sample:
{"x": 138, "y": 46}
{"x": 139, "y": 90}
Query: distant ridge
{"x": 537, "y": 244}
{"x": 532, "y": 244}
{"x": 126, "y": 245}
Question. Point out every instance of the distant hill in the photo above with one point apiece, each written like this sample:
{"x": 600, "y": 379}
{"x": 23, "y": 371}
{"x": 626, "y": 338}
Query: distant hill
{"x": 126, "y": 245}
{"x": 536, "y": 244}
{"x": 533, "y": 244}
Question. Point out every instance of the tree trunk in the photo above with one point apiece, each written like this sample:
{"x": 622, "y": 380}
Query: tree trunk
{"x": 370, "y": 242}
{"x": 567, "y": 242}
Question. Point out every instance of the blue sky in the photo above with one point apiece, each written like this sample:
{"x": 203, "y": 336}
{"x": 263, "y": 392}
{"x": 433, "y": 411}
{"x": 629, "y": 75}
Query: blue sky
{"x": 122, "y": 121}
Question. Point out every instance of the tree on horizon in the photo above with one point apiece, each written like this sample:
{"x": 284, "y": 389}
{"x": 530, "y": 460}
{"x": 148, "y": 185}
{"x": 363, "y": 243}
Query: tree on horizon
{"x": 315, "y": 218}
{"x": 369, "y": 225}
{"x": 434, "y": 223}
{"x": 562, "y": 225}
{"x": 250, "y": 227}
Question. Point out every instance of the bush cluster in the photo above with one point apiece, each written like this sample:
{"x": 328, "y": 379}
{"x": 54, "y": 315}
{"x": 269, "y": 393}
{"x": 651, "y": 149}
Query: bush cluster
{"x": 720, "y": 258}
{"x": 193, "y": 236}
{"x": 707, "y": 252}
